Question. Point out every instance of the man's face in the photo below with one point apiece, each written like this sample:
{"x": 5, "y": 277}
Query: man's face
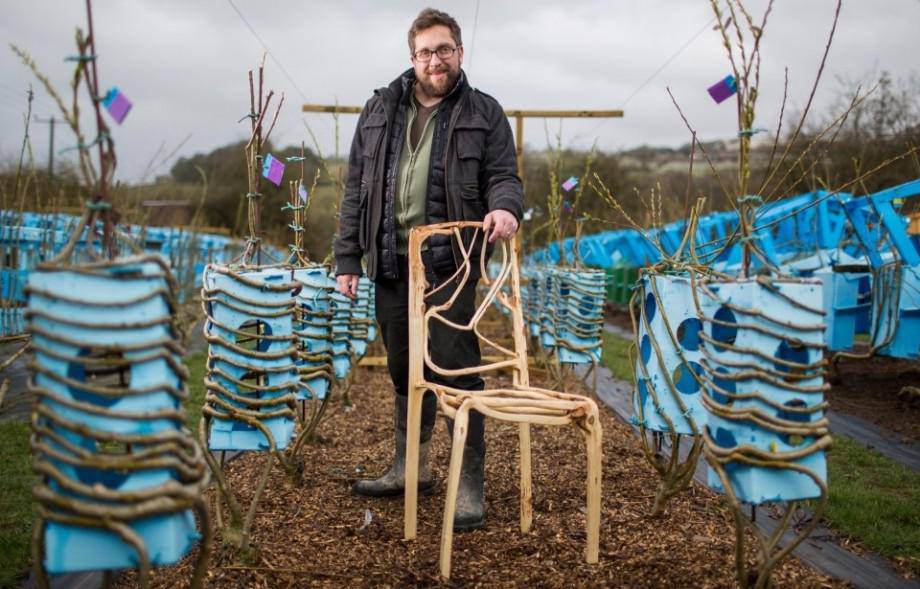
{"x": 437, "y": 76}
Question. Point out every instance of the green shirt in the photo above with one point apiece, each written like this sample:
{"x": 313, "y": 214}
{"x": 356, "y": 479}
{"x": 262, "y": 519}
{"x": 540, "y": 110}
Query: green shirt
{"x": 412, "y": 181}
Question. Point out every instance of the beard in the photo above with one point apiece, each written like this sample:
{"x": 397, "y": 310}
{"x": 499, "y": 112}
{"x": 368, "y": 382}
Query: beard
{"x": 440, "y": 88}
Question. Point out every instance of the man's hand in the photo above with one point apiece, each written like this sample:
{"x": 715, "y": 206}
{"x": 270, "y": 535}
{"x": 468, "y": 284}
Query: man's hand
{"x": 502, "y": 223}
{"x": 347, "y": 284}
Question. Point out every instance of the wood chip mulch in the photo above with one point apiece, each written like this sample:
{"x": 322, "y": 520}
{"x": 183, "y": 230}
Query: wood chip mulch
{"x": 315, "y": 535}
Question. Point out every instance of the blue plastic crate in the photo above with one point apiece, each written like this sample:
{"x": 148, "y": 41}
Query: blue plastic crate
{"x": 737, "y": 315}
{"x": 12, "y": 321}
{"x": 314, "y": 327}
{"x": 124, "y": 319}
{"x": 241, "y": 300}
{"x": 579, "y": 299}
{"x": 125, "y": 306}
{"x": 676, "y": 328}
{"x": 843, "y": 306}
{"x": 341, "y": 338}
{"x": 896, "y": 313}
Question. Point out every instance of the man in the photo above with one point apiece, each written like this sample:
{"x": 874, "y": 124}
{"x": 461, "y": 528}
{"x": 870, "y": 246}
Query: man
{"x": 428, "y": 149}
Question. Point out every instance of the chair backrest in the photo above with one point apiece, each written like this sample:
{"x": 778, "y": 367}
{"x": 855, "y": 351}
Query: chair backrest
{"x": 503, "y": 285}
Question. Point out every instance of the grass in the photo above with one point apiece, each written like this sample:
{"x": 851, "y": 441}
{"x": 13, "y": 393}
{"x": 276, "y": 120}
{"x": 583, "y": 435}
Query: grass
{"x": 874, "y": 500}
{"x": 615, "y": 356}
{"x": 16, "y": 515}
{"x": 196, "y": 364}
{"x": 15, "y": 501}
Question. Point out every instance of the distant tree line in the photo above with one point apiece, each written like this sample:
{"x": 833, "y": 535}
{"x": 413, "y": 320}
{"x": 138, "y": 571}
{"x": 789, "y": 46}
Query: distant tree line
{"x": 882, "y": 127}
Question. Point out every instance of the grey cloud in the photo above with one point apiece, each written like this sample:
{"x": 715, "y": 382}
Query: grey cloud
{"x": 184, "y": 63}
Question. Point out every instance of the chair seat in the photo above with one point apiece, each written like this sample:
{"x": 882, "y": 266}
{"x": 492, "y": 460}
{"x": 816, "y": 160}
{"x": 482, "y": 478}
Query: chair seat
{"x": 514, "y": 403}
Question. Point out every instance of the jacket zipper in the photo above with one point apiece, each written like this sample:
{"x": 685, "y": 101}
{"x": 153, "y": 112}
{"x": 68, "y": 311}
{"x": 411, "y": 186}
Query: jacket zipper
{"x": 379, "y": 171}
{"x": 451, "y": 213}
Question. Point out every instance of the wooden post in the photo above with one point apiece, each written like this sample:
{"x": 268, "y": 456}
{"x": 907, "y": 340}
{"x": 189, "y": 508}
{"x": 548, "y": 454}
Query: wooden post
{"x": 594, "y": 445}
{"x": 526, "y": 478}
{"x": 418, "y": 336}
{"x": 519, "y": 144}
{"x": 461, "y": 422}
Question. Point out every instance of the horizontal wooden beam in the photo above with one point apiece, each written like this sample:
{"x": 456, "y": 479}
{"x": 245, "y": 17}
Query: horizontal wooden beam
{"x": 566, "y": 114}
{"x": 547, "y": 114}
{"x": 334, "y": 108}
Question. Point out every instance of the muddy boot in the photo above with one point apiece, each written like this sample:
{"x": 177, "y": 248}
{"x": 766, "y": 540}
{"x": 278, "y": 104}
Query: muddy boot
{"x": 470, "y": 511}
{"x": 392, "y": 483}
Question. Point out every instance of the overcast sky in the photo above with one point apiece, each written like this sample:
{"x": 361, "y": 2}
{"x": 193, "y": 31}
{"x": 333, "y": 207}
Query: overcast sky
{"x": 183, "y": 63}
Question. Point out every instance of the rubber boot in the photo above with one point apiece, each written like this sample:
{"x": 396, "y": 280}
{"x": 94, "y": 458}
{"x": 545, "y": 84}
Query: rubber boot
{"x": 470, "y": 510}
{"x": 393, "y": 482}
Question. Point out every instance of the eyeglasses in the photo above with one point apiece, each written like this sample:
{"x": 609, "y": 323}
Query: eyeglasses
{"x": 444, "y": 52}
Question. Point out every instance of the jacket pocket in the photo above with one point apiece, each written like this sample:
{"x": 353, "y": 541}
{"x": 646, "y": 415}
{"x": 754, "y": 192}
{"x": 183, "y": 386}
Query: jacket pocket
{"x": 470, "y": 148}
{"x": 372, "y": 131}
{"x": 473, "y": 207}
{"x": 471, "y": 137}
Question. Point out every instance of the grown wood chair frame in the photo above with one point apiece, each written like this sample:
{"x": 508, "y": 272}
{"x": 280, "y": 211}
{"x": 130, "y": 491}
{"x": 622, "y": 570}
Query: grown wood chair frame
{"x": 521, "y": 403}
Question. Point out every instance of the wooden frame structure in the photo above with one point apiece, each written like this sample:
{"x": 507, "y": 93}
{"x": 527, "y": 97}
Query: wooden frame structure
{"x": 520, "y": 403}
{"x": 517, "y": 114}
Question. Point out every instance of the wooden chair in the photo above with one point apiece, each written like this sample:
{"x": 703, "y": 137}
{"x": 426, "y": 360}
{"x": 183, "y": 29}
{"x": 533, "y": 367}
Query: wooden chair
{"x": 520, "y": 403}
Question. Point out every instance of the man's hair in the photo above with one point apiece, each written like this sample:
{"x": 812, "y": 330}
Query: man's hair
{"x": 429, "y": 18}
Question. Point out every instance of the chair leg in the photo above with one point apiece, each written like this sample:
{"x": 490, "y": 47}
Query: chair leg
{"x": 526, "y": 478}
{"x": 461, "y": 421}
{"x": 413, "y": 433}
{"x": 595, "y": 454}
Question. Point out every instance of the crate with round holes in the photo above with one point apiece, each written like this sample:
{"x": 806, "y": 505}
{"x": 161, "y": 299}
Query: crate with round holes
{"x": 117, "y": 332}
{"x": 763, "y": 344}
{"x": 668, "y": 369}
{"x": 251, "y": 356}
{"x": 108, "y": 426}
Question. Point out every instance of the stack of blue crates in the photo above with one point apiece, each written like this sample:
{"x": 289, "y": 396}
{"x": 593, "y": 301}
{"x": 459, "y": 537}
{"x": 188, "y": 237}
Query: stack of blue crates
{"x": 28, "y": 239}
{"x": 763, "y": 350}
{"x": 550, "y": 276}
{"x": 673, "y": 371}
{"x": 252, "y": 355}
{"x": 341, "y": 334}
{"x": 313, "y": 327}
{"x": 107, "y": 327}
{"x": 532, "y": 296}
{"x": 579, "y": 300}
{"x": 362, "y": 318}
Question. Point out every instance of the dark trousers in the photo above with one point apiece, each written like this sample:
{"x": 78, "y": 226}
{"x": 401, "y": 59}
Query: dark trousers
{"x": 449, "y": 348}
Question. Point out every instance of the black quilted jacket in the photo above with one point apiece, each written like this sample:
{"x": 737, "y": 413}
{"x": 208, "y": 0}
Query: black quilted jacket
{"x": 472, "y": 171}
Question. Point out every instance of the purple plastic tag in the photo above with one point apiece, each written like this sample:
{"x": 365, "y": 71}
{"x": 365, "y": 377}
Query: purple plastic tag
{"x": 273, "y": 169}
{"x": 570, "y": 184}
{"x": 723, "y": 89}
{"x": 117, "y": 104}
